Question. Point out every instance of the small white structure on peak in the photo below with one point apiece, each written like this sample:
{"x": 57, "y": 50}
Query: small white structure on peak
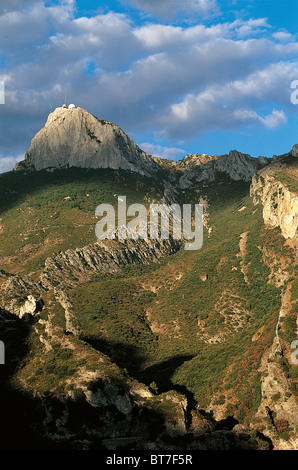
{"x": 71, "y": 106}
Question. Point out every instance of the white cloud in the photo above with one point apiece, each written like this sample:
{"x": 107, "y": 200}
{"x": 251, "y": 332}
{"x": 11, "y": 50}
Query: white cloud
{"x": 26, "y": 29}
{"x": 283, "y": 36}
{"x": 170, "y": 153}
{"x": 234, "y": 103}
{"x": 250, "y": 27}
{"x": 173, "y": 80}
{"x": 271, "y": 121}
{"x": 275, "y": 119}
{"x": 8, "y": 163}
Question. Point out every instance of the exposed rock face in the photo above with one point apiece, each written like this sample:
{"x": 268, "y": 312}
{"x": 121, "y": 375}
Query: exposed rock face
{"x": 21, "y": 295}
{"x": 236, "y": 165}
{"x": 74, "y": 137}
{"x": 239, "y": 166}
{"x": 103, "y": 256}
{"x": 294, "y": 150}
{"x": 31, "y": 306}
{"x": 280, "y": 205}
{"x": 192, "y": 161}
{"x": 278, "y": 408}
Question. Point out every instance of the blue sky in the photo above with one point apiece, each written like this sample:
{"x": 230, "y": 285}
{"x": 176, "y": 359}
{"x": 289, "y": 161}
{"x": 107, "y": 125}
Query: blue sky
{"x": 179, "y": 76}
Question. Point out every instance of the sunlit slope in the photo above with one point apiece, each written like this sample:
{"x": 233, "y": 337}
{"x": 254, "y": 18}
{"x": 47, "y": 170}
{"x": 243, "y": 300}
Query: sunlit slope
{"x": 43, "y": 212}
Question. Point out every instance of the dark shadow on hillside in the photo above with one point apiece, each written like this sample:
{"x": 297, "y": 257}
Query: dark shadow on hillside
{"x": 15, "y": 186}
{"x": 132, "y": 358}
{"x": 224, "y": 191}
{"x": 162, "y": 373}
{"x": 126, "y": 356}
{"x": 27, "y": 421}
{"x": 17, "y": 411}
{"x": 103, "y": 423}
{"x": 13, "y": 333}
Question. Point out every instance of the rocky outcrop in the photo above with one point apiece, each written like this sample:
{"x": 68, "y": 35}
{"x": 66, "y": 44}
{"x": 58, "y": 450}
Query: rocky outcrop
{"x": 31, "y": 306}
{"x": 239, "y": 166}
{"x": 104, "y": 256}
{"x": 21, "y": 295}
{"x": 75, "y": 138}
{"x": 280, "y": 204}
{"x": 236, "y": 165}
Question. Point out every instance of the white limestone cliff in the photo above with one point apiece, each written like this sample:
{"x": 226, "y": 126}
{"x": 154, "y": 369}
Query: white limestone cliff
{"x": 75, "y": 138}
{"x": 280, "y": 203}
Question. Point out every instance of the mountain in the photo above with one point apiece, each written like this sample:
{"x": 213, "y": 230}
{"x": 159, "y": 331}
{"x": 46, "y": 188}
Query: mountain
{"x": 74, "y": 137}
{"x": 236, "y": 165}
{"x": 140, "y": 344}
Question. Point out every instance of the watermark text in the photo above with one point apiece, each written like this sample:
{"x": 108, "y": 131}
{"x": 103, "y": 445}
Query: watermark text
{"x": 159, "y": 221}
{"x": 294, "y": 95}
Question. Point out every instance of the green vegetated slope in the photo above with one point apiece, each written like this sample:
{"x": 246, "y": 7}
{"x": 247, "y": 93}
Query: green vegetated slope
{"x": 43, "y": 213}
{"x": 189, "y": 321}
{"x": 198, "y": 321}
{"x": 289, "y": 177}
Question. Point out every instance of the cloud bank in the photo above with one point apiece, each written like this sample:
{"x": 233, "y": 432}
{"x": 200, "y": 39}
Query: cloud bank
{"x": 178, "y": 82}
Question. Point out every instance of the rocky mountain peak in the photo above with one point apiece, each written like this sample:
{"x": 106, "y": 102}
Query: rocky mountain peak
{"x": 72, "y": 137}
{"x": 294, "y": 150}
{"x": 236, "y": 165}
{"x": 240, "y": 166}
{"x": 194, "y": 160}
